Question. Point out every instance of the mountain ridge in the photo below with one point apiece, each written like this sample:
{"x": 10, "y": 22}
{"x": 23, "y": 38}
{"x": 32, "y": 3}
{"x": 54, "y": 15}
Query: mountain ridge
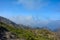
{"x": 25, "y": 33}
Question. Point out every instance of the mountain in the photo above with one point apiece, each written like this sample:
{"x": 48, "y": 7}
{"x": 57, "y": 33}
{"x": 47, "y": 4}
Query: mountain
{"x": 55, "y": 27}
{"x": 5, "y": 29}
{"x": 10, "y": 30}
{"x": 57, "y": 31}
{"x": 54, "y": 24}
{"x": 7, "y": 21}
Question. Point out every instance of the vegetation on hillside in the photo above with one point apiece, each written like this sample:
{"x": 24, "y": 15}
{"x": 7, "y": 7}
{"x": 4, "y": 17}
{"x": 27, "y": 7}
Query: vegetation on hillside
{"x": 30, "y": 34}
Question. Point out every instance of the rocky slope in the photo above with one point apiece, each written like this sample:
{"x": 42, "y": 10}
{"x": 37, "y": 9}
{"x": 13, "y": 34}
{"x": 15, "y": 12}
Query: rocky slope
{"x": 8, "y": 31}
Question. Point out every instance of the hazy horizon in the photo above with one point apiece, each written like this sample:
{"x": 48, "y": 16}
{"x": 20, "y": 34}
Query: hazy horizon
{"x": 31, "y": 12}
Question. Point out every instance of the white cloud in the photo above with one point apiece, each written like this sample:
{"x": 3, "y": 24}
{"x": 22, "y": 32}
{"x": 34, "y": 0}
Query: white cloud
{"x": 26, "y": 20}
{"x": 29, "y": 20}
{"x": 33, "y": 4}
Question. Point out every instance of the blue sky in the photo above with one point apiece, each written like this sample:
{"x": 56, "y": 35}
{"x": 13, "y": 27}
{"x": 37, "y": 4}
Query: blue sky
{"x": 30, "y": 11}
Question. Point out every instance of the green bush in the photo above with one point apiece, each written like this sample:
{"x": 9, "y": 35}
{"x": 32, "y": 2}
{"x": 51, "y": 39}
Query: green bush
{"x": 29, "y": 34}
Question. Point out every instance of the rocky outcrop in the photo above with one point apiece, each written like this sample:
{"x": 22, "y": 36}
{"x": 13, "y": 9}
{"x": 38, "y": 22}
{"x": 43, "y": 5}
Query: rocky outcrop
{"x": 6, "y": 35}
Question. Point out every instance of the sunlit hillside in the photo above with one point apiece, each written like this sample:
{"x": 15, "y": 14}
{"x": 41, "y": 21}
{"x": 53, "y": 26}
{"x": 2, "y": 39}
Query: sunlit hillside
{"x": 25, "y": 34}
